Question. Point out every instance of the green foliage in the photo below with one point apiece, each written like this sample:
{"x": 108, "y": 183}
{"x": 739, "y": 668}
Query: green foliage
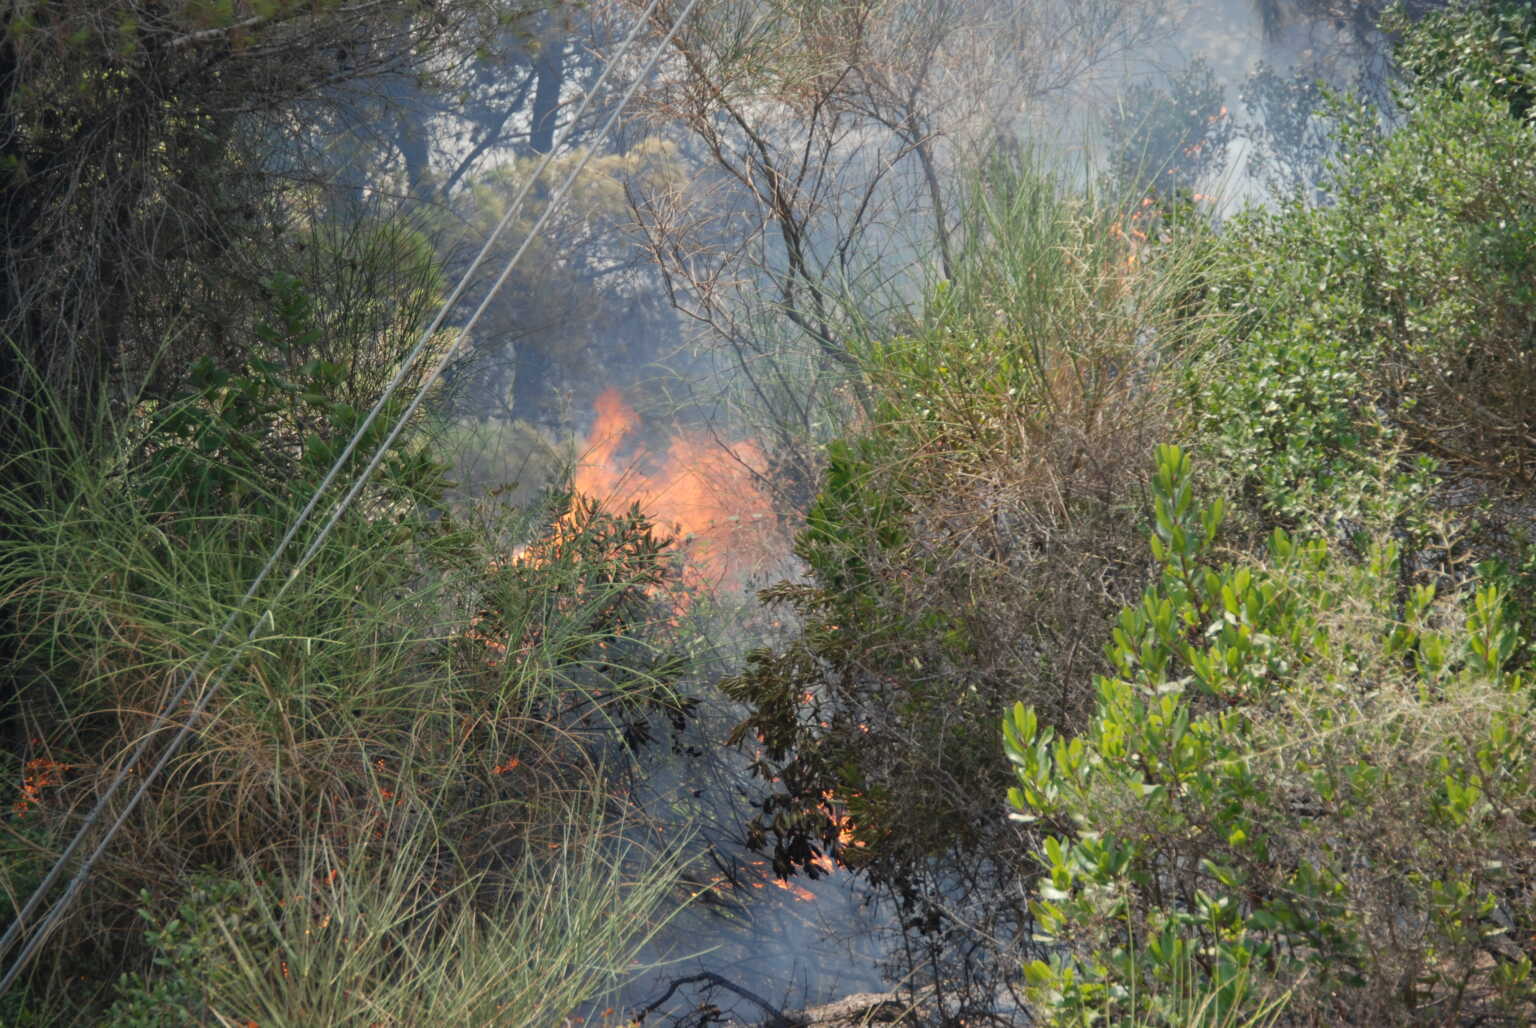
{"x": 1488, "y": 45}
{"x": 180, "y": 945}
{"x": 1394, "y": 322}
{"x": 1288, "y": 413}
{"x": 1301, "y": 775}
{"x": 1297, "y": 778}
{"x": 511, "y": 460}
{"x": 590, "y": 603}
{"x": 129, "y": 542}
{"x": 278, "y": 417}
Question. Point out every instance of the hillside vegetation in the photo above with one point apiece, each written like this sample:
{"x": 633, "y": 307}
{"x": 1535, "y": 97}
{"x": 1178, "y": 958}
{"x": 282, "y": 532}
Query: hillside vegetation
{"x": 1237, "y": 520}
{"x": 1161, "y": 643}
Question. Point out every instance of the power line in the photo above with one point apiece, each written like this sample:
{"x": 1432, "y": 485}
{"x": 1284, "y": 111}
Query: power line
{"x": 501, "y": 279}
{"x": 50, "y": 920}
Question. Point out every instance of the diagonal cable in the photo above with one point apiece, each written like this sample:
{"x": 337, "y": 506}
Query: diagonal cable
{"x": 45, "y": 926}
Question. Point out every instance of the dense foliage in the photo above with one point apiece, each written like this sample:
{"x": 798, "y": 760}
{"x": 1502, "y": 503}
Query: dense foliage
{"x": 972, "y": 544}
{"x": 1267, "y": 746}
{"x": 1289, "y": 781}
{"x": 1398, "y": 315}
{"x": 416, "y": 718}
{"x": 1303, "y": 777}
{"x": 148, "y": 177}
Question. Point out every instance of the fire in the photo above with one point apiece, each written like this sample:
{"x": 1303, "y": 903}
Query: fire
{"x": 38, "y": 774}
{"x": 703, "y": 490}
{"x": 801, "y": 894}
{"x": 761, "y": 878}
{"x": 698, "y": 490}
{"x": 847, "y": 838}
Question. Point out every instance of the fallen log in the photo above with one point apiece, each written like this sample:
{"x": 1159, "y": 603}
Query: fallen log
{"x": 859, "y": 1010}
{"x": 856, "y": 1011}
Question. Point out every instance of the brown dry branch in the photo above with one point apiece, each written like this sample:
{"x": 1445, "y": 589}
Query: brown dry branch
{"x": 826, "y": 188}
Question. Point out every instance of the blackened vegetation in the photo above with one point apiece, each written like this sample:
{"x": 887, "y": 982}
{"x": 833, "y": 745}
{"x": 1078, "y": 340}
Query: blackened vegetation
{"x": 872, "y": 727}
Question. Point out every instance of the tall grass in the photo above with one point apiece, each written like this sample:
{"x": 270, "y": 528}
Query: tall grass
{"x": 412, "y": 743}
{"x": 377, "y": 940}
{"x": 1194, "y": 1000}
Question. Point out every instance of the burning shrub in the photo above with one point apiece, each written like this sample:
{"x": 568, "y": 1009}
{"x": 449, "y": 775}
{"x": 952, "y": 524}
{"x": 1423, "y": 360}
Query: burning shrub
{"x": 581, "y": 622}
{"x": 1170, "y": 137}
{"x": 1302, "y": 780}
{"x": 707, "y": 491}
{"x": 974, "y": 539}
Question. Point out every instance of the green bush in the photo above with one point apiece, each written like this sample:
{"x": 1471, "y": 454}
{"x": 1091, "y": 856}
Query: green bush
{"x": 1485, "y": 44}
{"x": 280, "y": 415}
{"x": 1303, "y": 776}
{"x": 1396, "y": 319}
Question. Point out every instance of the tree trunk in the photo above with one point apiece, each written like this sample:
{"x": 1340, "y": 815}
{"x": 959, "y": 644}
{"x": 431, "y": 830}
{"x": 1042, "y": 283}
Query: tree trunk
{"x": 550, "y": 69}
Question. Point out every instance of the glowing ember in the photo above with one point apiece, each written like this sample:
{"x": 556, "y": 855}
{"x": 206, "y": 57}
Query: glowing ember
{"x": 40, "y": 773}
{"x": 703, "y": 490}
{"x": 834, "y": 810}
{"x": 763, "y": 878}
{"x": 804, "y": 895}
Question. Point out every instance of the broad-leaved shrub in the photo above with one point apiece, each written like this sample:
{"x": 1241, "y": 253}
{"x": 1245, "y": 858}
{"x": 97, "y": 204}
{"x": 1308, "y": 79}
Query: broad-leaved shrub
{"x": 1304, "y": 778}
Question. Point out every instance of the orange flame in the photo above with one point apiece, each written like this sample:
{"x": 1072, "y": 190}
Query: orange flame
{"x": 39, "y": 773}
{"x": 703, "y": 490}
{"x": 764, "y": 878}
{"x": 840, "y": 817}
{"x": 801, "y": 894}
